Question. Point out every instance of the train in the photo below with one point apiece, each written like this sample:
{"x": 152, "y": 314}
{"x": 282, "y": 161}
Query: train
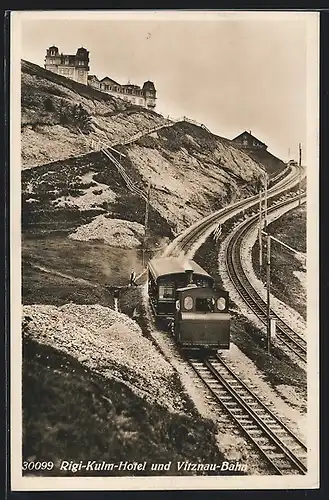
{"x": 188, "y": 301}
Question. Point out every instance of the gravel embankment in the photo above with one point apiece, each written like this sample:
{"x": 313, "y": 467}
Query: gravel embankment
{"x": 107, "y": 342}
{"x": 115, "y": 232}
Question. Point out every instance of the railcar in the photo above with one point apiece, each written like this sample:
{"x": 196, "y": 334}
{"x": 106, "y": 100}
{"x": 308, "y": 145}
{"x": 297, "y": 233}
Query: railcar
{"x": 189, "y": 301}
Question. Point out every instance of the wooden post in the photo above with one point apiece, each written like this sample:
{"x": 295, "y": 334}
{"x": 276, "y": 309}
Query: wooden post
{"x": 268, "y": 289}
{"x": 265, "y": 203}
{"x": 146, "y": 220}
{"x": 260, "y": 231}
{"x": 300, "y": 175}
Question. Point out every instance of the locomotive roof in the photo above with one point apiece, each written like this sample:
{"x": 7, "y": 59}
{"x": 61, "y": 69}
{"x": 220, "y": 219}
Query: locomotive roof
{"x": 163, "y": 266}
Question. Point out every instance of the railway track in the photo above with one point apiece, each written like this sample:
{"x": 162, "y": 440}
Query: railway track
{"x": 184, "y": 241}
{"x": 250, "y": 296}
{"x": 283, "y": 450}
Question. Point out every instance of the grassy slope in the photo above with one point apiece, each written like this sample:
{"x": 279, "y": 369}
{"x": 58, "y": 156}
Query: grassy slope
{"x": 272, "y": 164}
{"x": 75, "y": 414}
{"x": 48, "y": 182}
{"x": 47, "y": 136}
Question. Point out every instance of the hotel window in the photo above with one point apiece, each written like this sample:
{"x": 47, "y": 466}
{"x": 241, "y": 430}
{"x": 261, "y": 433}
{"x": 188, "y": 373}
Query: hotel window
{"x": 141, "y": 101}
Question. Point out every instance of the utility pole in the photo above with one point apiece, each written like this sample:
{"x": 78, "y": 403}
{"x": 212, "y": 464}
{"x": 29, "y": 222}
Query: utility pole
{"x": 265, "y": 202}
{"x": 146, "y": 219}
{"x": 260, "y": 231}
{"x": 271, "y": 322}
{"x": 300, "y": 175}
{"x": 268, "y": 289}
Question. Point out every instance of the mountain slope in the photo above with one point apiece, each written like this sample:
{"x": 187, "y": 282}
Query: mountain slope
{"x": 50, "y": 132}
{"x": 192, "y": 171}
{"x": 272, "y": 164}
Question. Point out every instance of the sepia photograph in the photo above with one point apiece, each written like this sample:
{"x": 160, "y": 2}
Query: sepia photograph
{"x": 164, "y": 275}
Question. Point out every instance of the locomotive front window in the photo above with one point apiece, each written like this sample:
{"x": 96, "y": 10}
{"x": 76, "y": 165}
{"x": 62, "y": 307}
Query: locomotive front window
{"x": 204, "y": 304}
{"x": 166, "y": 291}
{"x": 221, "y": 303}
{"x": 203, "y": 283}
{"x": 188, "y": 302}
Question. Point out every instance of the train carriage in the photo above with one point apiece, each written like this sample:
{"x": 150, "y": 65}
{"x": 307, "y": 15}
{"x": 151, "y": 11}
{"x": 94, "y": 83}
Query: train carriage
{"x": 186, "y": 295}
{"x": 166, "y": 275}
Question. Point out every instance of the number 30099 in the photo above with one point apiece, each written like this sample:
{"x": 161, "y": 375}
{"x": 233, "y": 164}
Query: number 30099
{"x": 38, "y": 466}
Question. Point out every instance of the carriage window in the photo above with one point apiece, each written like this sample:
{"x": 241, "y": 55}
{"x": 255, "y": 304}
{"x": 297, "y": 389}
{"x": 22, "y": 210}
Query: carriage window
{"x": 203, "y": 283}
{"x": 188, "y": 302}
{"x": 206, "y": 304}
{"x": 166, "y": 292}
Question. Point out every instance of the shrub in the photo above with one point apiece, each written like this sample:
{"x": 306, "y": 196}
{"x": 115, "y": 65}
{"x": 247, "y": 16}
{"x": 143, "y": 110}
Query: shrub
{"x": 49, "y": 105}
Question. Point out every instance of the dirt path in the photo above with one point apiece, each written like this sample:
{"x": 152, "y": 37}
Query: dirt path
{"x": 63, "y": 275}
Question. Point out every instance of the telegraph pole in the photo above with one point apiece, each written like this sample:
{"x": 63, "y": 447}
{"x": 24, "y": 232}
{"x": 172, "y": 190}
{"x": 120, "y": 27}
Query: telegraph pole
{"x": 270, "y": 321}
{"x": 260, "y": 231}
{"x": 265, "y": 202}
{"x": 268, "y": 290}
{"x": 300, "y": 175}
{"x": 146, "y": 219}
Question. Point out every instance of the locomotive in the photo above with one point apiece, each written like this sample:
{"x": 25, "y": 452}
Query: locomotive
{"x": 191, "y": 304}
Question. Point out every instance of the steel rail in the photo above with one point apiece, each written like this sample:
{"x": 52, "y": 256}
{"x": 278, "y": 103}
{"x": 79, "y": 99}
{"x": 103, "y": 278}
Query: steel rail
{"x": 250, "y": 296}
{"x": 268, "y": 443}
{"x": 182, "y": 242}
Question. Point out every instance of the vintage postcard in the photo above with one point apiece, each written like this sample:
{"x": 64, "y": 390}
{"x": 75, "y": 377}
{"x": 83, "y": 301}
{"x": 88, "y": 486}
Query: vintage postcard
{"x": 164, "y": 274}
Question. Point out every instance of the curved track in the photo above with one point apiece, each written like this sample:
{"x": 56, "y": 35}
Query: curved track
{"x": 184, "y": 241}
{"x": 283, "y": 450}
{"x": 286, "y": 335}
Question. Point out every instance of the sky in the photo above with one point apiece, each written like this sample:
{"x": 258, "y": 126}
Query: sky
{"x": 231, "y": 72}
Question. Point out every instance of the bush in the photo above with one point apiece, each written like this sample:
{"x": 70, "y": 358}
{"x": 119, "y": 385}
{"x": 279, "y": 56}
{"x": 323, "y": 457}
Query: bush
{"x": 74, "y": 115}
{"x": 49, "y": 105}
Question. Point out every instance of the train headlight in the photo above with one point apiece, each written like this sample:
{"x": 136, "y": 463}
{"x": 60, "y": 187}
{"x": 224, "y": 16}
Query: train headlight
{"x": 188, "y": 302}
{"x": 221, "y": 303}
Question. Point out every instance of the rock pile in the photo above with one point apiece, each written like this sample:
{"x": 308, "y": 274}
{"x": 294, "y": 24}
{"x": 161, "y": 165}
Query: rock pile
{"x": 115, "y": 232}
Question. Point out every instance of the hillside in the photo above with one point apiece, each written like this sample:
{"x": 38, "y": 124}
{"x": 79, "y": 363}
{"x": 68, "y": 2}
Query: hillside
{"x": 102, "y": 388}
{"x": 69, "y": 184}
{"x": 48, "y": 125}
{"x": 273, "y": 164}
{"x": 104, "y": 393}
